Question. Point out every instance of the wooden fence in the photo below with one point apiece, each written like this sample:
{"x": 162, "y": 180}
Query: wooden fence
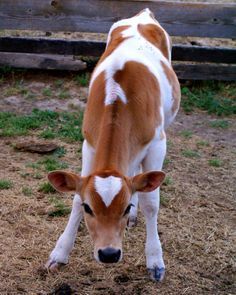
{"x": 178, "y": 18}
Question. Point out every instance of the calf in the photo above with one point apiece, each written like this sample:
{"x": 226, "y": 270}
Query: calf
{"x": 134, "y": 95}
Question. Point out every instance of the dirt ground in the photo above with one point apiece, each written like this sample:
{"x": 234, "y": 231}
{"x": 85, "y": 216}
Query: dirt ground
{"x": 196, "y": 222}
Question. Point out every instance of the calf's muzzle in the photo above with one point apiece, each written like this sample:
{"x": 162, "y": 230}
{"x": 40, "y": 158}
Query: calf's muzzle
{"x": 109, "y": 255}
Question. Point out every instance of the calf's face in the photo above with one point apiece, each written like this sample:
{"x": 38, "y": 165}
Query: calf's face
{"x": 106, "y": 200}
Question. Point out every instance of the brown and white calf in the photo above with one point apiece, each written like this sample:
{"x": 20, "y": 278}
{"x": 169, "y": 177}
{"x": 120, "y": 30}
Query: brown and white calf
{"x": 134, "y": 95}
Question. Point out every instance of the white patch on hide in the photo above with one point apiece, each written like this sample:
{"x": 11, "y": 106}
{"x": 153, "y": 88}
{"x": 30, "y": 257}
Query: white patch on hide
{"x": 108, "y": 188}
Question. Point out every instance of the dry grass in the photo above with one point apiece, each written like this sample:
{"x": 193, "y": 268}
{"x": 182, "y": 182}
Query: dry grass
{"x": 196, "y": 222}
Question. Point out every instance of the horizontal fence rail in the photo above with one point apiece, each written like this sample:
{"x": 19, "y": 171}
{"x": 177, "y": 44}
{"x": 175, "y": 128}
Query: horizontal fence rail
{"x": 178, "y": 18}
{"x": 94, "y": 48}
{"x": 184, "y": 71}
{"x": 97, "y": 16}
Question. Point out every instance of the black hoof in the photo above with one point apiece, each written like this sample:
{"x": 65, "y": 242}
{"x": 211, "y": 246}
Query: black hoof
{"x": 157, "y": 274}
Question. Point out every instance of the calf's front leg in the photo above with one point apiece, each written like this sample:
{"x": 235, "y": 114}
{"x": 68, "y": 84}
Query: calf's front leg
{"x": 149, "y": 205}
{"x": 64, "y": 245}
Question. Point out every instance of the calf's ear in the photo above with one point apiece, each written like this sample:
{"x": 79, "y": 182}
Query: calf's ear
{"x": 64, "y": 181}
{"x": 147, "y": 182}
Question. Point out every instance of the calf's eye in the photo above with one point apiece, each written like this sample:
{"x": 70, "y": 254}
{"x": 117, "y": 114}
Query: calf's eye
{"x": 87, "y": 209}
{"x": 127, "y": 210}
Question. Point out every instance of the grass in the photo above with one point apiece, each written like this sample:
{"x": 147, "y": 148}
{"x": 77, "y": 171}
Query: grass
{"x": 59, "y": 83}
{"x": 37, "y": 175}
{"x": 27, "y": 191}
{"x": 223, "y": 124}
{"x": 164, "y": 200}
{"x": 9, "y": 70}
{"x": 190, "y": 153}
{"x": 5, "y": 184}
{"x": 47, "y": 92}
{"x": 18, "y": 88}
{"x": 64, "y": 125}
{"x": 186, "y": 134}
{"x": 49, "y": 163}
{"x": 59, "y": 152}
{"x": 46, "y": 188}
{"x": 60, "y": 208}
{"x": 82, "y": 79}
{"x": 166, "y": 162}
{"x": 33, "y": 165}
{"x": 169, "y": 144}
{"x": 11, "y": 91}
{"x": 48, "y": 134}
{"x": 168, "y": 180}
{"x": 64, "y": 94}
{"x": 215, "y": 162}
{"x": 213, "y": 97}
{"x": 52, "y": 163}
{"x": 202, "y": 143}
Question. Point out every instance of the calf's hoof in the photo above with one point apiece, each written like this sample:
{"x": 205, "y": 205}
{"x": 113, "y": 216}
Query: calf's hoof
{"x": 53, "y": 266}
{"x": 157, "y": 274}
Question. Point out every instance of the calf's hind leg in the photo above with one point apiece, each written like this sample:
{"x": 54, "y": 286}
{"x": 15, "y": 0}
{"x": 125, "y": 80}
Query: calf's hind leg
{"x": 149, "y": 204}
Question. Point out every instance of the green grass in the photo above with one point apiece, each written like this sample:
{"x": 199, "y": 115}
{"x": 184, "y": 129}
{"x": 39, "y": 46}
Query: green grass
{"x": 64, "y": 125}
{"x": 213, "y": 97}
{"x": 30, "y": 95}
{"x": 46, "y": 188}
{"x": 5, "y": 184}
{"x": 9, "y": 70}
{"x": 166, "y": 162}
{"x": 48, "y": 134}
{"x": 64, "y": 94}
{"x": 215, "y": 162}
{"x": 190, "y": 153}
{"x": 82, "y": 79}
{"x": 202, "y": 143}
{"x": 47, "y": 92}
{"x": 33, "y": 165}
{"x": 168, "y": 180}
{"x": 49, "y": 163}
{"x": 223, "y": 124}
{"x": 60, "y": 208}
{"x": 24, "y": 174}
{"x": 52, "y": 163}
{"x": 59, "y": 83}
{"x": 164, "y": 200}
{"x": 17, "y": 88}
{"x": 186, "y": 134}
{"x": 37, "y": 175}
{"x": 12, "y": 90}
{"x": 169, "y": 144}
{"x": 59, "y": 152}
{"x": 27, "y": 191}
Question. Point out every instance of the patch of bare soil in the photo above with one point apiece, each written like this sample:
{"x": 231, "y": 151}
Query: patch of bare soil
{"x": 196, "y": 222}
{"x": 22, "y": 92}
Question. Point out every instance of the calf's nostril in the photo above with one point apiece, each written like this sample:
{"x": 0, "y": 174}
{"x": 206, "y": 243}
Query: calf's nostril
{"x": 109, "y": 255}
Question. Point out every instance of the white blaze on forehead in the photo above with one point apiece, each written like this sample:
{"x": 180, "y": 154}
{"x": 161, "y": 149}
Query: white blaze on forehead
{"x": 108, "y": 188}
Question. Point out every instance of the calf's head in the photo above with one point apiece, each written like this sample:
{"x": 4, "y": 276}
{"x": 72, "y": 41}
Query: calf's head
{"x": 106, "y": 200}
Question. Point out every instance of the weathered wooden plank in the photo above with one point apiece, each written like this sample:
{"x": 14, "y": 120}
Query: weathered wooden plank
{"x": 178, "y": 18}
{"x": 205, "y": 72}
{"x": 52, "y": 46}
{"x": 93, "y": 48}
{"x": 204, "y": 54}
{"x": 41, "y": 61}
{"x": 184, "y": 71}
